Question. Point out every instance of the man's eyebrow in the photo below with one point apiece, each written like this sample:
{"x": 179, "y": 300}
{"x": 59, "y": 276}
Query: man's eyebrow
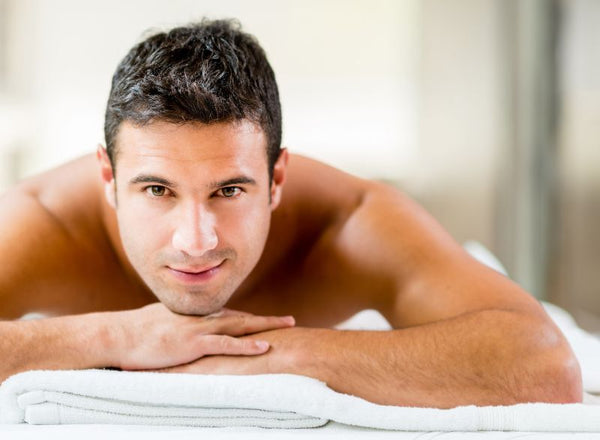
{"x": 147, "y": 178}
{"x": 241, "y": 180}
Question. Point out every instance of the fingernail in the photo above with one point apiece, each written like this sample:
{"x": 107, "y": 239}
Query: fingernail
{"x": 261, "y": 345}
{"x": 289, "y": 320}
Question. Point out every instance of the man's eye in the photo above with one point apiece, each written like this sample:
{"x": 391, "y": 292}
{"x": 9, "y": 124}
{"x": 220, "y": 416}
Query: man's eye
{"x": 230, "y": 191}
{"x": 156, "y": 190}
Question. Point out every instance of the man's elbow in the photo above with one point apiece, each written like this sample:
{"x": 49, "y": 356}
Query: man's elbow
{"x": 566, "y": 382}
{"x": 556, "y": 371}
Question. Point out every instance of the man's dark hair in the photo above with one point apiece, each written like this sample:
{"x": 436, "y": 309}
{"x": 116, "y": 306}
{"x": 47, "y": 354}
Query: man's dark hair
{"x": 206, "y": 72}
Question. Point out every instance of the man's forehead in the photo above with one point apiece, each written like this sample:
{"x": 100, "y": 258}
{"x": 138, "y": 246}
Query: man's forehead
{"x": 162, "y": 133}
{"x": 225, "y": 144}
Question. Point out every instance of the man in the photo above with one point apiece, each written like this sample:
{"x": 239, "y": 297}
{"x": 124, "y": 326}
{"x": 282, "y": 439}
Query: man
{"x": 199, "y": 207}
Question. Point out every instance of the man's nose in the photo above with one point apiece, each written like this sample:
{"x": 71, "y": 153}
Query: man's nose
{"x": 195, "y": 233}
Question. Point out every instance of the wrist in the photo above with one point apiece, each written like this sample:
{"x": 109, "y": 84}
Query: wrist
{"x": 311, "y": 353}
{"x": 99, "y": 335}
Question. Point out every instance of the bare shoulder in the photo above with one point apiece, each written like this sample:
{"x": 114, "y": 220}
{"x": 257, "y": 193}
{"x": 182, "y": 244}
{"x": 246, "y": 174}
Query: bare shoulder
{"x": 67, "y": 192}
{"x": 402, "y": 262}
{"x": 317, "y": 200}
{"x": 50, "y": 229}
{"x": 327, "y": 223}
{"x": 378, "y": 248}
{"x": 318, "y": 188}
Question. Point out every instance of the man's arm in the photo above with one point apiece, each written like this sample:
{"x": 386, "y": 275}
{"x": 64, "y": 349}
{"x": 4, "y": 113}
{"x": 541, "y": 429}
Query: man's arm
{"x": 467, "y": 333}
{"x": 463, "y": 334}
{"x": 34, "y": 248}
{"x": 139, "y": 339}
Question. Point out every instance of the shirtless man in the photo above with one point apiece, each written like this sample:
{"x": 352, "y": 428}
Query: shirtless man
{"x": 197, "y": 206}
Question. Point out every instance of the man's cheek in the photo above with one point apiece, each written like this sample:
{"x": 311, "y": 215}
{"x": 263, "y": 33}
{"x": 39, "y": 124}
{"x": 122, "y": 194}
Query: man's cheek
{"x": 143, "y": 225}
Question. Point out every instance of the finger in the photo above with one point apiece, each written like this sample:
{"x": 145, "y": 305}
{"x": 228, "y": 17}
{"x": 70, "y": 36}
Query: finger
{"x": 224, "y": 312}
{"x": 185, "y": 368}
{"x": 245, "y": 325}
{"x": 231, "y": 312}
{"x": 206, "y": 365}
{"x": 227, "y": 345}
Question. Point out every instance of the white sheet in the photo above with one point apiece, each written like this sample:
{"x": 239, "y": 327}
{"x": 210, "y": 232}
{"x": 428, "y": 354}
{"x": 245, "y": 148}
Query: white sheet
{"x": 328, "y": 432}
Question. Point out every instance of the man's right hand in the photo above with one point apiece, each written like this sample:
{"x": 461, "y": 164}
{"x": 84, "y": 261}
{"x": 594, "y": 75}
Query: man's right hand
{"x": 153, "y": 337}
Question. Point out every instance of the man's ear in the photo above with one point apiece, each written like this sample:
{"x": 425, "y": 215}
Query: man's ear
{"x": 106, "y": 173}
{"x": 279, "y": 173}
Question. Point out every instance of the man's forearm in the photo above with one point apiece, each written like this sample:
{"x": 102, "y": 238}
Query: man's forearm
{"x": 482, "y": 358}
{"x": 70, "y": 342}
{"x": 151, "y": 337}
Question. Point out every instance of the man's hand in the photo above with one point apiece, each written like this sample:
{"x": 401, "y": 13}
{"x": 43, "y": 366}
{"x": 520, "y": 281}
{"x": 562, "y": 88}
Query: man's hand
{"x": 287, "y": 354}
{"x": 416, "y": 366}
{"x": 153, "y": 337}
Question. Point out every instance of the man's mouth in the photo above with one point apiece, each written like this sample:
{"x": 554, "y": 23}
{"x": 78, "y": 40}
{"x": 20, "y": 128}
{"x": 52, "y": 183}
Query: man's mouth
{"x": 195, "y": 274}
{"x": 195, "y": 270}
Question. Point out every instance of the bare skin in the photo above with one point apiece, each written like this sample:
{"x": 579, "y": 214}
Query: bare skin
{"x": 463, "y": 334}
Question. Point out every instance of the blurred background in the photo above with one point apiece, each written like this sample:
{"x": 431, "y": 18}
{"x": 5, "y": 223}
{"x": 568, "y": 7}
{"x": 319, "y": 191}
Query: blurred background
{"x": 485, "y": 111}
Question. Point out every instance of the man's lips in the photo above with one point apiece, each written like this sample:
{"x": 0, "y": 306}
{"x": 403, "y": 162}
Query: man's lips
{"x": 195, "y": 270}
{"x": 191, "y": 275}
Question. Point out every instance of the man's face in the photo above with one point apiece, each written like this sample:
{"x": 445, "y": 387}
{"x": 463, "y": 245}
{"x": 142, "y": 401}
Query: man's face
{"x": 193, "y": 207}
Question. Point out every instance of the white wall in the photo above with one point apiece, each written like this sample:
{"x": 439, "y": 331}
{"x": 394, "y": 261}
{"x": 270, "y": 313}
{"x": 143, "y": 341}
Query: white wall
{"x": 576, "y": 282}
{"x": 347, "y": 70}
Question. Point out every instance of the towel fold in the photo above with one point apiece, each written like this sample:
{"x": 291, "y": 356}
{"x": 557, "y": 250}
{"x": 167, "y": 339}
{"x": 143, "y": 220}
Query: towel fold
{"x": 115, "y": 397}
{"x": 268, "y": 401}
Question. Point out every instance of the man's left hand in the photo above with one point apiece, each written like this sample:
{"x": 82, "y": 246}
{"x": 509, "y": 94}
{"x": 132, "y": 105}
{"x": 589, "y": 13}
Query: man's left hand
{"x": 289, "y": 352}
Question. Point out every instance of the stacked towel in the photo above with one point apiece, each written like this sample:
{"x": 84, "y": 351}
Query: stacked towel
{"x": 103, "y": 396}
{"x": 269, "y": 401}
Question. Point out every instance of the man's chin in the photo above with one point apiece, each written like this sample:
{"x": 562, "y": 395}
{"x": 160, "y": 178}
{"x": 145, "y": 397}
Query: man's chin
{"x": 192, "y": 307}
{"x": 193, "y": 300}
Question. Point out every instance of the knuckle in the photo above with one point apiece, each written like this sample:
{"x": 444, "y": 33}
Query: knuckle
{"x": 225, "y": 343}
{"x": 204, "y": 346}
{"x": 241, "y": 322}
{"x": 216, "y": 325}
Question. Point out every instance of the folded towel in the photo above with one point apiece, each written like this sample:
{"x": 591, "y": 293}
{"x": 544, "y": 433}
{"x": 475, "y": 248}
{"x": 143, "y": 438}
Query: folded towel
{"x": 119, "y": 397}
{"x": 280, "y": 400}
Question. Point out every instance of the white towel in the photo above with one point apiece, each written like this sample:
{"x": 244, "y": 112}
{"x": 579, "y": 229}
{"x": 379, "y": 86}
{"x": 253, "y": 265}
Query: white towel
{"x": 119, "y": 397}
{"x": 281, "y": 400}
